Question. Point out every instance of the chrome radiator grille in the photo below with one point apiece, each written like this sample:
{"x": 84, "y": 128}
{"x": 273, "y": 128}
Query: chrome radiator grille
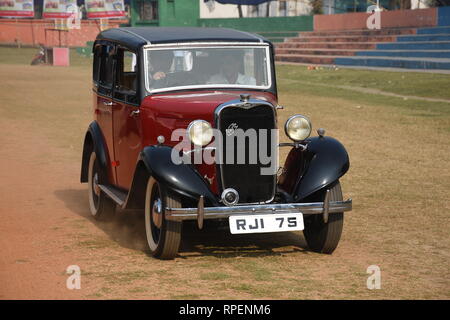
{"x": 252, "y": 186}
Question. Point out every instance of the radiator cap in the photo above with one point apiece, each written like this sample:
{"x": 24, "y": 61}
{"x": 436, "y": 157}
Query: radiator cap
{"x": 245, "y": 97}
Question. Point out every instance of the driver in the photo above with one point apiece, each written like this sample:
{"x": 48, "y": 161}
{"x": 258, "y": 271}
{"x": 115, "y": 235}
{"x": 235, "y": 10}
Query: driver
{"x": 160, "y": 63}
{"x": 230, "y": 71}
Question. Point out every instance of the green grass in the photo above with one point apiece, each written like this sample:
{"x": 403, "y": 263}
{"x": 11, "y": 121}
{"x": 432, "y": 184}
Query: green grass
{"x": 256, "y": 270}
{"x": 96, "y": 244}
{"x": 214, "y": 276}
{"x": 11, "y": 55}
{"x": 138, "y": 290}
{"x": 186, "y": 297}
{"x": 123, "y": 277}
{"x": 409, "y": 106}
{"x": 431, "y": 85}
{"x": 244, "y": 287}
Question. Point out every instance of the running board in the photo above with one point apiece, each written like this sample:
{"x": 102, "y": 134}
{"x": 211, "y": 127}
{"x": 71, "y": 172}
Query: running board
{"x": 118, "y": 196}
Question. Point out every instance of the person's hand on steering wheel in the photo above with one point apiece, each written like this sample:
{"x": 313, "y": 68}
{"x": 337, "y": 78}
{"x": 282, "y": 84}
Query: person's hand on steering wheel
{"x": 159, "y": 75}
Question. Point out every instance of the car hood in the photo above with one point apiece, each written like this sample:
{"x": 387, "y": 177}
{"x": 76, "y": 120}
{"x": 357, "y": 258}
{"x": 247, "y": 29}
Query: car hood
{"x": 189, "y": 106}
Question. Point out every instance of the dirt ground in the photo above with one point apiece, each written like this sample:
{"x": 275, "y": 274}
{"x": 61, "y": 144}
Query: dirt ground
{"x": 399, "y": 181}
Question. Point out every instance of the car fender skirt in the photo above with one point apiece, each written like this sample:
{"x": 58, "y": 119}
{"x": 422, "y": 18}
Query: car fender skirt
{"x": 182, "y": 179}
{"x": 327, "y": 161}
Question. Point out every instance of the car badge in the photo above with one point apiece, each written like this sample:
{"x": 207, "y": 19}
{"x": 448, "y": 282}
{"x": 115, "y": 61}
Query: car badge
{"x": 231, "y": 128}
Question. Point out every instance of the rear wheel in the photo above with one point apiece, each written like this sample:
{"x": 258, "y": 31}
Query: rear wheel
{"x": 163, "y": 236}
{"x": 100, "y": 205}
{"x": 324, "y": 237}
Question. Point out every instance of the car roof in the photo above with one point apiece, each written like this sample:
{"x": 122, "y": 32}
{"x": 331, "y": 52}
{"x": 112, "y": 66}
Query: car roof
{"x": 135, "y": 37}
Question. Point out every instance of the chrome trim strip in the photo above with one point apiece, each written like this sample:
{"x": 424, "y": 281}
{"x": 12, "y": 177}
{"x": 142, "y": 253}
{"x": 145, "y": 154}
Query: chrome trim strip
{"x": 296, "y": 145}
{"x": 254, "y": 36}
{"x": 198, "y": 149}
{"x": 208, "y": 86}
{"x": 180, "y": 214}
{"x": 205, "y": 44}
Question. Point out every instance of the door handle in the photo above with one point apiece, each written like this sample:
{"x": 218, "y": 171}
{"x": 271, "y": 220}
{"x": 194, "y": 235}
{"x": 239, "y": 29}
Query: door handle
{"x": 108, "y": 103}
{"x": 134, "y": 113}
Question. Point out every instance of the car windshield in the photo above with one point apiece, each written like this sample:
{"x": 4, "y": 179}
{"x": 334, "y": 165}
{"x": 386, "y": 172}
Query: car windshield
{"x": 229, "y": 67}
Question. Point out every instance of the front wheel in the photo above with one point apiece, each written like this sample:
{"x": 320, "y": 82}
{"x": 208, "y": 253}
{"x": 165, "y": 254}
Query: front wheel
{"x": 163, "y": 236}
{"x": 324, "y": 237}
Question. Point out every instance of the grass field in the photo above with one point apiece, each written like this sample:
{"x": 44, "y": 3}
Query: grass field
{"x": 399, "y": 181}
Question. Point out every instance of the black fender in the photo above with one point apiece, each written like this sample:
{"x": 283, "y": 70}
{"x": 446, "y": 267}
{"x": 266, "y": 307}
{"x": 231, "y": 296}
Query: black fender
{"x": 326, "y": 160}
{"x": 94, "y": 141}
{"x": 182, "y": 179}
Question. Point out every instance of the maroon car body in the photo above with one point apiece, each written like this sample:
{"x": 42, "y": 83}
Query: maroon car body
{"x": 128, "y": 151}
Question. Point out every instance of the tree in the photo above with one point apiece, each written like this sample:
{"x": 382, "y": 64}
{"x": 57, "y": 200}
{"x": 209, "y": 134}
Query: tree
{"x": 400, "y": 4}
{"x": 439, "y": 3}
{"x": 317, "y": 6}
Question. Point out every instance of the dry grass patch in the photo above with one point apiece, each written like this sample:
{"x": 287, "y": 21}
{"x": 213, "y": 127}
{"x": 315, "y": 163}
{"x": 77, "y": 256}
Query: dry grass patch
{"x": 399, "y": 181}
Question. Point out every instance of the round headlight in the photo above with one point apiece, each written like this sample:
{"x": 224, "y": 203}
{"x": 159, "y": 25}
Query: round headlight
{"x": 298, "y": 127}
{"x": 200, "y": 132}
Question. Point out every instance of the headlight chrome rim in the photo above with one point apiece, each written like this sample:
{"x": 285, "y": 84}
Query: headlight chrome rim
{"x": 286, "y": 127}
{"x": 199, "y": 141}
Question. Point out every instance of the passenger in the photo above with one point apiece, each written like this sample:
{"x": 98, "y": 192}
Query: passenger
{"x": 230, "y": 71}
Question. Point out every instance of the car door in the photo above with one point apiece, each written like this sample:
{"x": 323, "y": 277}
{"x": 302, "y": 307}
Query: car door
{"x": 103, "y": 76}
{"x": 126, "y": 117}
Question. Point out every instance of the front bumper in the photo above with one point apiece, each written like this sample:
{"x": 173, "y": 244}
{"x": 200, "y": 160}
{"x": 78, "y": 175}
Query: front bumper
{"x": 200, "y": 213}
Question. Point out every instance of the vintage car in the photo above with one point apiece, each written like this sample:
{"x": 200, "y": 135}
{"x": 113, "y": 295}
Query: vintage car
{"x": 185, "y": 128}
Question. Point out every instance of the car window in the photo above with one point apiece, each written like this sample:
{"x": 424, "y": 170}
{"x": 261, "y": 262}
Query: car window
{"x": 103, "y": 68}
{"x": 207, "y": 67}
{"x": 126, "y": 76}
{"x": 96, "y": 64}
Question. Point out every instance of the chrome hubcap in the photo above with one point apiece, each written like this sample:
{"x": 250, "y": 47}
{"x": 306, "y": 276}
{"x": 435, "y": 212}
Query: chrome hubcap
{"x": 157, "y": 213}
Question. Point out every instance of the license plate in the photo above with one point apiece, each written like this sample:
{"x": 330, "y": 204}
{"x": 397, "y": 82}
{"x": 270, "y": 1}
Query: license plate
{"x": 266, "y": 223}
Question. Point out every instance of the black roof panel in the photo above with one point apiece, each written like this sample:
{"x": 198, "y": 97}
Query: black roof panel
{"x": 135, "y": 37}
